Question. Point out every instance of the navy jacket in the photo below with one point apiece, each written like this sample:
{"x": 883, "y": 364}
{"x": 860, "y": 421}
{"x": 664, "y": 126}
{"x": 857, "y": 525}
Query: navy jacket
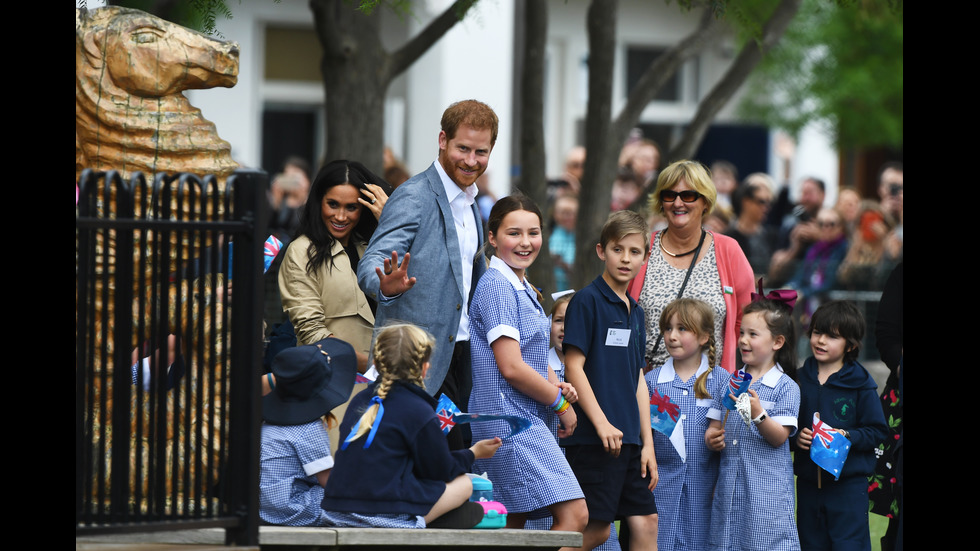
{"x": 405, "y": 469}
{"x": 848, "y": 400}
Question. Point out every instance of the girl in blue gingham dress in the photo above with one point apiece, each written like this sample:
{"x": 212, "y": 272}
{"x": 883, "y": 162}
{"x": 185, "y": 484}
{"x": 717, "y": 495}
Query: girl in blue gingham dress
{"x": 305, "y": 384}
{"x": 690, "y": 380}
{"x": 754, "y": 499}
{"x": 509, "y": 333}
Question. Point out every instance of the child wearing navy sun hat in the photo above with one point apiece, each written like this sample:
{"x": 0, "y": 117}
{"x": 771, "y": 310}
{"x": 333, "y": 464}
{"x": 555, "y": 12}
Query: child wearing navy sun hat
{"x": 307, "y": 383}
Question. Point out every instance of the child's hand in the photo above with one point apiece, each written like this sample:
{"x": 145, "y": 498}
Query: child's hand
{"x": 648, "y": 467}
{"x": 804, "y": 439}
{"x": 714, "y": 438}
{"x": 567, "y": 423}
{"x": 611, "y": 438}
{"x": 484, "y": 449}
{"x": 569, "y": 392}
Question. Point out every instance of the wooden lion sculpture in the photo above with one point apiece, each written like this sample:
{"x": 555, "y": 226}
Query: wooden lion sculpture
{"x": 130, "y": 114}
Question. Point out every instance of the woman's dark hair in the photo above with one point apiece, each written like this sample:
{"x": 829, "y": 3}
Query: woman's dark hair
{"x": 840, "y": 318}
{"x": 311, "y": 223}
{"x": 779, "y": 320}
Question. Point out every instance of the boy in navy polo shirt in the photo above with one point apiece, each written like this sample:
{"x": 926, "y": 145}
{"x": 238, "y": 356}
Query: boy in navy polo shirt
{"x": 611, "y": 450}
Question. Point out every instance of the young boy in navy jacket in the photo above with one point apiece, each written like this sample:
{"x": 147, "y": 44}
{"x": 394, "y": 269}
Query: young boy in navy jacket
{"x": 611, "y": 450}
{"x": 833, "y": 514}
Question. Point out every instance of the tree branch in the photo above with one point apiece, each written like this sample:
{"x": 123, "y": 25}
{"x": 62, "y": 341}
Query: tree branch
{"x": 405, "y": 56}
{"x": 733, "y": 79}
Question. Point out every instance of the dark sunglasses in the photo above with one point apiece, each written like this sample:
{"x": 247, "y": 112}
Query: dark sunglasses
{"x": 688, "y": 196}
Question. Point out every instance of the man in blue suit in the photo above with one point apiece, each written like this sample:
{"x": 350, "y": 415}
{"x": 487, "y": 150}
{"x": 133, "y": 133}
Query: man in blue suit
{"x": 424, "y": 260}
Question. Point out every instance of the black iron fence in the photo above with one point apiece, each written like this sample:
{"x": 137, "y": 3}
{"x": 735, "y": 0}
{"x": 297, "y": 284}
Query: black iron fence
{"x": 168, "y": 352}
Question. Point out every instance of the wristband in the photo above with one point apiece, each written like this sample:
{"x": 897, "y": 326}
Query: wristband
{"x": 557, "y": 400}
{"x": 760, "y": 418}
{"x": 272, "y": 382}
{"x": 562, "y": 407}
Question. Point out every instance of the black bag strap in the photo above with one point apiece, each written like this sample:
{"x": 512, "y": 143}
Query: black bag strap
{"x": 687, "y": 276}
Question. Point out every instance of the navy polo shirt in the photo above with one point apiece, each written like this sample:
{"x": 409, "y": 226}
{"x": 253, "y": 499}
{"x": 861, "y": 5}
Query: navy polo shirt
{"x": 612, "y": 337}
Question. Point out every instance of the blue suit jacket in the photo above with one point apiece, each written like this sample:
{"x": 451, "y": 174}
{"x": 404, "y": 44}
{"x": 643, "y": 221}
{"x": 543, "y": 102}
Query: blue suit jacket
{"x": 417, "y": 219}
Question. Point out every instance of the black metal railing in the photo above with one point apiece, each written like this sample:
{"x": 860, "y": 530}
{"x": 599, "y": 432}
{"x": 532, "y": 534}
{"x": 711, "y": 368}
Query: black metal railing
{"x": 167, "y": 358}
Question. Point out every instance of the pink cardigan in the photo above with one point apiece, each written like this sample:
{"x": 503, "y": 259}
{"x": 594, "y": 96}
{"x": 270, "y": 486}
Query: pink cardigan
{"x": 737, "y": 283}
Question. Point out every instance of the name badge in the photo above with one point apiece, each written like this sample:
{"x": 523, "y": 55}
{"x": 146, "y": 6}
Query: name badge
{"x": 618, "y": 337}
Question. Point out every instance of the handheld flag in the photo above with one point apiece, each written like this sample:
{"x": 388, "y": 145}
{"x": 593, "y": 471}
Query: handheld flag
{"x": 270, "y": 251}
{"x": 738, "y": 384}
{"x": 665, "y": 417}
{"x": 445, "y": 410}
{"x": 829, "y": 448}
{"x": 517, "y": 424}
{"x": 449, "y": 415}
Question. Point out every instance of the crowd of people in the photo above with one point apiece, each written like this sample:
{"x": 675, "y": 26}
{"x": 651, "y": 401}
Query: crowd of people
{"x": 424, "y": 295}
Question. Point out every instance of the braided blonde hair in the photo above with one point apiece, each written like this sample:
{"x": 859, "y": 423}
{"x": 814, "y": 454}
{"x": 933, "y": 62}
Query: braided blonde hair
{"x": 697, "y": 316}
{"x": 400, "y": 351}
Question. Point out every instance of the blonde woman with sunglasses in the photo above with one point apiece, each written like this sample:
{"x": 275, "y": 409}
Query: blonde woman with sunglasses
{"x": 688, "y": 260}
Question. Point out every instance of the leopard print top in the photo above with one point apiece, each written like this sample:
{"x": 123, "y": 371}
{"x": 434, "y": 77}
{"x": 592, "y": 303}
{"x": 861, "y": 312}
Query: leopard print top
{"x": 660, "y": 287}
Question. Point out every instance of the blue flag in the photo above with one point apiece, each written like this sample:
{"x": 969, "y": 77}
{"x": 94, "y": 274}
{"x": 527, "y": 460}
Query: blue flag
{"x": 445, "y": 410}
{"x": 740, "y": 381}
{"x": 829, "y": 448}
{"x": 448, "y": 415}
{"x": 665, "y": 417}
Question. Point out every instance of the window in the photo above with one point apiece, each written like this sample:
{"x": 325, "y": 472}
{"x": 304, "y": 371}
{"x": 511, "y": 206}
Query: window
{"x": 638, "y": 58}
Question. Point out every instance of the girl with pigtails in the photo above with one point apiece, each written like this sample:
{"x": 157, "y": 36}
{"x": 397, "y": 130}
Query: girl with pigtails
{"x": 395, "y": 469}
{"x": 682, "y": 389}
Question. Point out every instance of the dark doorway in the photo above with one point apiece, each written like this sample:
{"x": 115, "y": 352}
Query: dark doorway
{"x": 288, "y": 131}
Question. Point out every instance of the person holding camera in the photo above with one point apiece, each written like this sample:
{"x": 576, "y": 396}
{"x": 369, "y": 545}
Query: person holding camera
{"x": 799, "y": 230}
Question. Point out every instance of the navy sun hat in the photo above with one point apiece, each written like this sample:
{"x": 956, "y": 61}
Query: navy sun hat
{"x": 311, "y": 380}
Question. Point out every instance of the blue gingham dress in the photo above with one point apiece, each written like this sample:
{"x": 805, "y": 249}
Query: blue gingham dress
{"x": 754, "y": 499}
{"x": 684, "y": 489}
{"x": 291, "y": 455}
{"x": 529, "y": 471}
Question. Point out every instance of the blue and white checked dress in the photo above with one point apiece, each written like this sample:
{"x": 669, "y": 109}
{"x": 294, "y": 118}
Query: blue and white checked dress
{"x": 529, "y": 471}
{"x": 684, "y": 489}
{"x": 289, "y": 494}
{"x": 754, "y": 500}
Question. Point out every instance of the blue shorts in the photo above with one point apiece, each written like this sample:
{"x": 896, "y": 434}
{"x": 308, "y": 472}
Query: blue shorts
{"x": 612, "y": 486}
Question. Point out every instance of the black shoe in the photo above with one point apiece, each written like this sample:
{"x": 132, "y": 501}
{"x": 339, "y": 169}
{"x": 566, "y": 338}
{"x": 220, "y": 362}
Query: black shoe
{"x": 464, "y": 517}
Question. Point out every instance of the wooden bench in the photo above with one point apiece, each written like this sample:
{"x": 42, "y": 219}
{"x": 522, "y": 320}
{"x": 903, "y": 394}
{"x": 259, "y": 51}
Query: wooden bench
{"x": 286, "y": 538}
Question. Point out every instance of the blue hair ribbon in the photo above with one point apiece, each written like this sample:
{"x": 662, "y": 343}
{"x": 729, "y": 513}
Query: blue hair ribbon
{"x": 374, "y": 426}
